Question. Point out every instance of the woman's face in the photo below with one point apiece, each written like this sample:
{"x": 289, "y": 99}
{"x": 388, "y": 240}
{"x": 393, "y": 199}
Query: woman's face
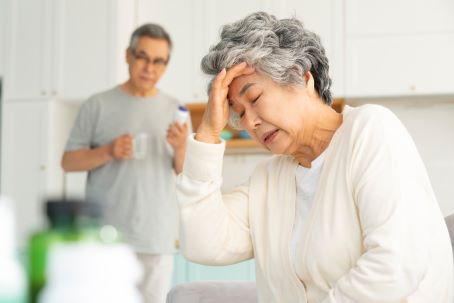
{"x": 277, "y": 116}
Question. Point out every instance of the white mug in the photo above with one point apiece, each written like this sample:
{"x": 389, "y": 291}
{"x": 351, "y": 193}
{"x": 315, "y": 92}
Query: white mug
{"x": 139, "y": 145}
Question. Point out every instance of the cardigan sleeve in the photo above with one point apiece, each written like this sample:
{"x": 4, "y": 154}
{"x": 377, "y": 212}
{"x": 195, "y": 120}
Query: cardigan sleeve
{"x": 214, "y": 228}
{"x": 391, "y": 191}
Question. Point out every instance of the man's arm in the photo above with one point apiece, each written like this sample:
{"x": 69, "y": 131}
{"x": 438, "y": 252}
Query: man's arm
{"x": 178, "y": 159}
{"x": 88, "y": 159}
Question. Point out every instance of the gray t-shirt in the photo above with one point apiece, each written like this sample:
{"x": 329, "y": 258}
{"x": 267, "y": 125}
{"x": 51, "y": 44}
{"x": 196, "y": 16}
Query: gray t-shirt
{"x": 139, "y": 195}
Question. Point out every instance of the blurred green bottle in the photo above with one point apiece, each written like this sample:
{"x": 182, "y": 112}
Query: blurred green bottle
{"x": 70, "y": 221}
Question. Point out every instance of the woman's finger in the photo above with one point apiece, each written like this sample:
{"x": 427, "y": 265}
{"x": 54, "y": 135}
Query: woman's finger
{"x": 217, "y": 82}
{"x": 233, "y": 72}
{"x": 236, "y": 71}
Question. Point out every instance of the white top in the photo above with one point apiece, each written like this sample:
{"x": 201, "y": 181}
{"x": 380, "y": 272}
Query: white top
{"x": 375, "y": 232}
{"x": 306, "y": 184}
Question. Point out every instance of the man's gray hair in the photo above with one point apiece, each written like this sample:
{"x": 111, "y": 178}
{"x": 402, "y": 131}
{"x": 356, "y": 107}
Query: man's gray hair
{"x": 150, "y": 30}
{"x": 280, "y": 49}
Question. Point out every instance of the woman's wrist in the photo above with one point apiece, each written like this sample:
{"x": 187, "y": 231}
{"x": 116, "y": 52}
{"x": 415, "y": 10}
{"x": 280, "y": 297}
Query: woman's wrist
{"x": 205, "y": 136}
{"x": 207, "y": 139}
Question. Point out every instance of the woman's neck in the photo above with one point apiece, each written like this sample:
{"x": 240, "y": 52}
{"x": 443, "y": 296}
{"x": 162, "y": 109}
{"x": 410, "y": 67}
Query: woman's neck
{"x": 326, "y": 123}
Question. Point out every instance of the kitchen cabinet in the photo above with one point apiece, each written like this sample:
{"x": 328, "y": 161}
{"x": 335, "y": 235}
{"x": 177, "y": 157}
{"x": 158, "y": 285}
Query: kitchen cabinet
{"x": 27, "y": 49}
{"x": 34, "y": 134}
{"x": 399, "y": 48}
{"x": 65, "y": 49}
{"x": 400, "y": 65}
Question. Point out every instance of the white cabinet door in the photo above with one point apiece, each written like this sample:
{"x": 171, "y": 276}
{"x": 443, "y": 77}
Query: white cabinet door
{"x": 68, "y": 49}
{"x": 33, "y": 138}
{"x": 391, "y": 17}
{"x": 81, "y": 48}
{"x": 91, "y": 39}
{"x": 24, "y": 171}
{"x": 401, "y": 47}
{"x": 400, "y": 65}
{"x": 28, "y": 49}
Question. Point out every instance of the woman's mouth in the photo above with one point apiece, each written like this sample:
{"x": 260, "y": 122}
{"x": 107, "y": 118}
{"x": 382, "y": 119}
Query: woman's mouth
{"x": 268, "y": 137}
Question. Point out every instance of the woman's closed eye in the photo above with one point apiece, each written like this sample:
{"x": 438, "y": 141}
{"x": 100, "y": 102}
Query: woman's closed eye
{"x": 256, "y": 99}
{"x": 241, "y": 114}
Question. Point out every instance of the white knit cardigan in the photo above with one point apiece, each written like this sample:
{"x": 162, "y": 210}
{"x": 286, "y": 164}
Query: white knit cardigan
{"x": 375, "y": 232}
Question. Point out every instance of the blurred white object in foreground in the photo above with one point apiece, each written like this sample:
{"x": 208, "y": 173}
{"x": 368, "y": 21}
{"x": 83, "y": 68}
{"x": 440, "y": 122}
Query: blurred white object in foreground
{"x": 92, "y": 273}
{"x": 12, "y": 275}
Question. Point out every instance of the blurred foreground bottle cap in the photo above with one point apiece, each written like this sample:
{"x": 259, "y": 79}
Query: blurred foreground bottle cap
{"x": 72, "y": 208}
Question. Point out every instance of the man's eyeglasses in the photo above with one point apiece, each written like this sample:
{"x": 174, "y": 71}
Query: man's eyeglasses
{"x": 143, "y": 58}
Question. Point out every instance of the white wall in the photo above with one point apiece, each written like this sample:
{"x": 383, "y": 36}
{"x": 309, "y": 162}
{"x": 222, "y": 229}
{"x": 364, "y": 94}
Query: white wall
{"x": 430, "y": 122}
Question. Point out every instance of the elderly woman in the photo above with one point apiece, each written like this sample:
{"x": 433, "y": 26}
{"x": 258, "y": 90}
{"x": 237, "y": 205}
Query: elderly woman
{"x": 343, "y": 213}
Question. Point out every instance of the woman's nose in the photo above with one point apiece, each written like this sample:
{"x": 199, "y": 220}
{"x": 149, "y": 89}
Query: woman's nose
{"x": 252, "y": 119}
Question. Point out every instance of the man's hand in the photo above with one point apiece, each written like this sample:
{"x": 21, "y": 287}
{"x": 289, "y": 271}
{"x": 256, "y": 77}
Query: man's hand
{"x": 121, "y": 147}
{"x": 176, "y": 135}
{"x": 86, "y": 159}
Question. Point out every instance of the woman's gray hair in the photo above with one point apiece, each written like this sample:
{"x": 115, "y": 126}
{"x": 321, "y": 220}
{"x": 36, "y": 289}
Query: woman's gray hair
{"x": 150, "y": 30}
{"x": 280, "y": 49}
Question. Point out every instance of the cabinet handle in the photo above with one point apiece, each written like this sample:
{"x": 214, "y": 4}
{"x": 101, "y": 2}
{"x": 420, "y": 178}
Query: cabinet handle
{"x": 43, "y": 93}
{"x": 412, "y": 88}
{"x": 54, "y": 92}
{"x": 42, "y": 167}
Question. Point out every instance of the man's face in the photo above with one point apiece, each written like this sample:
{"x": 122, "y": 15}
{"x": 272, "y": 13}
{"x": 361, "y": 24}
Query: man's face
{"x": 147, "y": 62}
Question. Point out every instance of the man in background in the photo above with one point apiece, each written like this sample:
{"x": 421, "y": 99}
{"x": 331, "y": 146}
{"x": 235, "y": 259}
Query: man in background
{"x": 136, "y": 187}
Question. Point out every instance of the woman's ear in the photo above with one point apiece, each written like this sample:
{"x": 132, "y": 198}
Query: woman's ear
{"x": 309, "y": 83}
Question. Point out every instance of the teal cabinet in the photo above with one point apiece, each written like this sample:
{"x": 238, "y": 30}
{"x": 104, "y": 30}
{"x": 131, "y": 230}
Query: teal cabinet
{"x": 186, "y": 271}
